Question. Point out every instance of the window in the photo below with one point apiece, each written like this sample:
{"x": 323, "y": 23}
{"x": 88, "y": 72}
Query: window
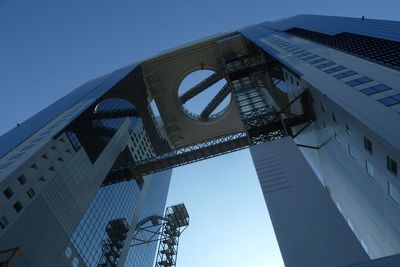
{"x": 333, "y": 117}
{"x": 324, "y": 65}
{"x": 3, "y": 222}
{"x": 345, "y": 74}
{"x": 390, "y": 100}
{"x": 335, "y": 69}
{"x": 44, "y": 156}
{"x": 304, "y": 54}
{"x": 394, "y": 193}
{"x": 310, "y": 57}
{"x": 391, "y": 165}
{"x": 30, "y": 193}
{"x": 323, "y": 124}
{"x": 33, "y": 166}
{"x": 42, "y": 179}
{"x": 358, "y": 81}
{"x": 368, "y": 145}
{"x": 375, "y": 89}
{"x": 60, "y": 159}
{"x": 18, "y": 206}
{"x": 8, "y": 192}
{"x": 52, "y": 168}
{"x": 54, "y": 147}
{"x": 317, "y": 61}
{"x": 298, "y": 52}
{"x": 22, "y": 180}
{"x": 369, "y": 168}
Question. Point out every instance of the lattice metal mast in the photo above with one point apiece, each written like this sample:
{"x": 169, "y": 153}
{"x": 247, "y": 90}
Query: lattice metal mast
{"x": 165, "y": 230}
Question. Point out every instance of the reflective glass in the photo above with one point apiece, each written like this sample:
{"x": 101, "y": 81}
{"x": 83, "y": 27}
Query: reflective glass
{"x": 324, "y": 65}
{"x": 316, "y": 61}
{"x": 388, "y": 101}
{"x": 335, "y": 69}
{"x": 89, "y": 91}
{"x": 345, "y": 74}
{"x": 375, "y": 89}
{"x": 310, "y": 57}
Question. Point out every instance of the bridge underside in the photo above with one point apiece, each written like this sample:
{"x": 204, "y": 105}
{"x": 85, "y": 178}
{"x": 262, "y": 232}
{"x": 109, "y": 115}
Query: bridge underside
{"x": 259, "y": 110}
{"x": 253, "y": 116}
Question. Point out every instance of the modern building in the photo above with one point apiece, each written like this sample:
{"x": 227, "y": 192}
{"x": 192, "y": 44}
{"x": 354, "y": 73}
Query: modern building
{"x": 60, "y": 206}
{"x": 316, "y": 98}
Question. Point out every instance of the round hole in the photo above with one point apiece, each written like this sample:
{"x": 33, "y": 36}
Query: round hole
{"x": 194, "y": 105}
{"x": 75, "y": 262}
{"x": 68, "y": 252}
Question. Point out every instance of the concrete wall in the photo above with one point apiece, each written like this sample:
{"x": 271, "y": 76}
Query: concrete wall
{"x": 309, "y": 229}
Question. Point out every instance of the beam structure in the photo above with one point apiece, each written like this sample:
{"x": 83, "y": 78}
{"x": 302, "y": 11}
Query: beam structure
{"x": 214, "y": 103}
{"x": 197, "y": 89}
{"x": 112, "y": 114}
{"x": 260, "y": 121}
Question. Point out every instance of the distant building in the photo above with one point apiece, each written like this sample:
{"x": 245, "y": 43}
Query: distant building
{"x": 89, "y": 167}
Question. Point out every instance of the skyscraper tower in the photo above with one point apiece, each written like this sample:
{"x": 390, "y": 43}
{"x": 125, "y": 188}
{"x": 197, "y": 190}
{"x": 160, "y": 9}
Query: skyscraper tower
{"x": 315, "y": 98}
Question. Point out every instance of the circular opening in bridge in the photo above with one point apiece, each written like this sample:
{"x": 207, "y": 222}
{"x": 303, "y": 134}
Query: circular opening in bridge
{"x": 203, "y": 95}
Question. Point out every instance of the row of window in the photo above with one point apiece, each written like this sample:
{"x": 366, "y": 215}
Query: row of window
{"x": 315, "y": 59}
{"x": 391, "y": 164}
{"x": 31, "y": 144}
{"x": 142, "y": 144}
{"x": 9, "y": 192}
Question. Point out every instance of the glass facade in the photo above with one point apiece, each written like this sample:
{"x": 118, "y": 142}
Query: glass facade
{"x": 87, "y": 93}
{"x": 378, "y": 50}
{"x": 143, "y": 255}
{"x": 100, "y": 234}
{"x": 332, "y": 25}
{"x": 116, "y": 202}
{"x": 111, "y": 202}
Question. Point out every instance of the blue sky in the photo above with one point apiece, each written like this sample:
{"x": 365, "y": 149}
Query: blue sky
{"x": 48, "y": 48}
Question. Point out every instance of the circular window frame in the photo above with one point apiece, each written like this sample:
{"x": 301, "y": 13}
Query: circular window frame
{"x": 191, "y": 115}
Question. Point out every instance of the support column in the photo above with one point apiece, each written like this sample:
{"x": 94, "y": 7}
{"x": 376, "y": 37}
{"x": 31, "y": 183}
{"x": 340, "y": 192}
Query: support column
{"x": 309, "y": 228}
{"x": 135, "y": 219}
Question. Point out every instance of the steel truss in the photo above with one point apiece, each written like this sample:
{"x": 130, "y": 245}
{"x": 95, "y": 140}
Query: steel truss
{"x": 166, "y": 230}
{"x": 111, "y": 248}
{"x": 261, "y": 122}
{"x": 197, "y": 89}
